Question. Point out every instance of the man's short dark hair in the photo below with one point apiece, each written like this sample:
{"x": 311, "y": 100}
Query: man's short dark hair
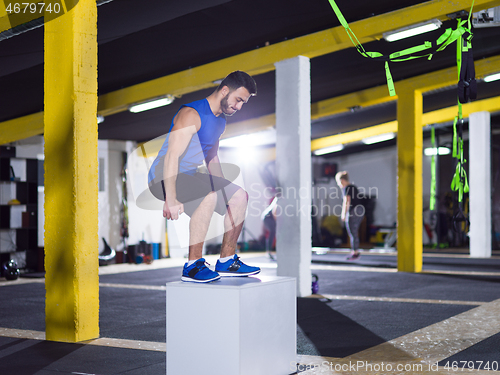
{"x": 238, "y": 79}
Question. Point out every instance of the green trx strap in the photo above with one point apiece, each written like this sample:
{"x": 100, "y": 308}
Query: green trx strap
{"x": 390, "y": 82}
{"x": 448, "y": 37}
{"x": 459, "y": 182}
{"x": 455, "y": 140}
{"x": 432, "y": 203}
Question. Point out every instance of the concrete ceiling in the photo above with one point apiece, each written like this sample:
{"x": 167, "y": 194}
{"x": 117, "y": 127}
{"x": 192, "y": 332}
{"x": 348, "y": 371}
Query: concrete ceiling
{"x": 182, "y": 47}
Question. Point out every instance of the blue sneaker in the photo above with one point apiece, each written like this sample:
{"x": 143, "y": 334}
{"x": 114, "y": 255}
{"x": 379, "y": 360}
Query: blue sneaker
{"x": 235, "y": 268}
{"x": 198, "y": 272}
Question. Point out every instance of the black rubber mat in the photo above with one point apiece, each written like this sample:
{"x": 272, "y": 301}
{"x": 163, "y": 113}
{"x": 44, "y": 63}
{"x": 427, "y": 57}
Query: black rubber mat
{"x": 409, "y": 285}
{"x": 485, "y": 355}
{"x": 23, "y": 306}
{"x": 384, "y": 261}
{"x": 132, "y": 314}
{"x": 342, "y": 328}
{"x": 429, "y": 262}
{"x": 335, "y": 328}
{"x": 150, "y": 277}
{"x": 30, "y": 357}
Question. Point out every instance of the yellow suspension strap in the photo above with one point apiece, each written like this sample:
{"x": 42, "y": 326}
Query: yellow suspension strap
{"x": 423, "y": 50}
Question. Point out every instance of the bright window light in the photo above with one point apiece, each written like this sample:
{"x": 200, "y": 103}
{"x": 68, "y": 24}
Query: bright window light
{"x": 151, "y": 104}
{"x": 413, "y": 30}
{"x": 431, "y": 151}
{"x": 378, "y": 138}
{"x": 327, "y": 150}
{"x": 492, "y": 77}
{"x": 261, "y": 138}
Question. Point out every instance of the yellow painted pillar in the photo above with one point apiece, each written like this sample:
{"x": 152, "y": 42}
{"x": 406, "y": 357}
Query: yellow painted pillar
{"x": 4, "y": 18}
{"x": 71, "y": 172}
{"x": 409, "y": 242}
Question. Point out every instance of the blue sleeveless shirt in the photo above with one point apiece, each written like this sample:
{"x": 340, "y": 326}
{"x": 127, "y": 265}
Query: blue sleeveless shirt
{"x": 204, "y": 142}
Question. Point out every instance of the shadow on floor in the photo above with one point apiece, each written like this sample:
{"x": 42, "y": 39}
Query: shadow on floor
{"x": 338, "y": 336}
{"x": 28, "y": 357}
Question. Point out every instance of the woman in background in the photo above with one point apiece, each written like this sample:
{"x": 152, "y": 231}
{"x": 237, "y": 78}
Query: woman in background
{"x": 352, "y": 211}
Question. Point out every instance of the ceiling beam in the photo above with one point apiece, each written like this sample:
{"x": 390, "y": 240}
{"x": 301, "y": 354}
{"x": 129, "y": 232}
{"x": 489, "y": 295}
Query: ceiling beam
{"x": 21, "y": 128}
{"x": 354, "y": 136}
{"x": 366, "y": 98}
{"x": 351, "y": 102}
{"x": 30, "y": 125}
{"x": 262, "y": 60}
{"x": 249, "y": 126}
{"x": 379, "y": 95}
{"x": 491, "y": 105}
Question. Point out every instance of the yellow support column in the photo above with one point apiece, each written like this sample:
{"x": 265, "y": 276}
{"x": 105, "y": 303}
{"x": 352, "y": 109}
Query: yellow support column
{"x": 71, "y": 172}
{"x": 4, "y": 18}
{"x": 409, "y": 242}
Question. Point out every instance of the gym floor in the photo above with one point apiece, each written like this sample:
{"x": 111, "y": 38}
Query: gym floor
{"x": 367, "y": 319}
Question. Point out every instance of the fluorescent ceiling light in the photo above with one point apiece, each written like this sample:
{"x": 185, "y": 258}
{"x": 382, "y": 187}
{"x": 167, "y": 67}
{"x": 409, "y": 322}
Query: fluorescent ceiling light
{"x": 378, "y": 138}
{"x": 261, "y": 138}
{"x": 155, "y": 103}
{"x": 406, "y": 32}
{"x": 100, "y": 119}
{"x": 327, "y": 150}
{"x": 492, "y": 77}
{"x": 431, "y": 151}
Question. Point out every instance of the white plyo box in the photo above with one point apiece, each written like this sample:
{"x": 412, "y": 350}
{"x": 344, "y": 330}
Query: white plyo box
{"x": 234, "y": 326}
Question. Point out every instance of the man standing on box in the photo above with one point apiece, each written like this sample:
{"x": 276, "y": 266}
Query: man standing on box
{"x": 193, "y": 138}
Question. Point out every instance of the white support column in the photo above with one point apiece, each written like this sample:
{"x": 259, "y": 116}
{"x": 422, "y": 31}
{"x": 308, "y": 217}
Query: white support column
{"x": 480, "y": 184}
{"x": 293, "y": 167}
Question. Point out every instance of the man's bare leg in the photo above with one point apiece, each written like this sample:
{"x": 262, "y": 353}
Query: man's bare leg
{"x": 233, "y": 222}
{"x": 198, "y": 226}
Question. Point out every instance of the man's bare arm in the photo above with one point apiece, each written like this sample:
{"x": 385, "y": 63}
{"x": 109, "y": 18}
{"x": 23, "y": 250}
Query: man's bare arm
{"x": 186, "y": 123}
{"x": 345, "y": 206}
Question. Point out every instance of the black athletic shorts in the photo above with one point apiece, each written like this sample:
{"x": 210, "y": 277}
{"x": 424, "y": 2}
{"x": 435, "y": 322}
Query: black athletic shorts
{"x": 192, "y": 189}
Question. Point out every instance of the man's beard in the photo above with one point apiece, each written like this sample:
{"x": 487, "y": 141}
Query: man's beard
{"x": 225, "y": 106}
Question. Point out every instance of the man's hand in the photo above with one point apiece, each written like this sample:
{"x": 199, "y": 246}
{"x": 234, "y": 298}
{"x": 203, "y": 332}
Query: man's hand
{"x": 172, "y": 209}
